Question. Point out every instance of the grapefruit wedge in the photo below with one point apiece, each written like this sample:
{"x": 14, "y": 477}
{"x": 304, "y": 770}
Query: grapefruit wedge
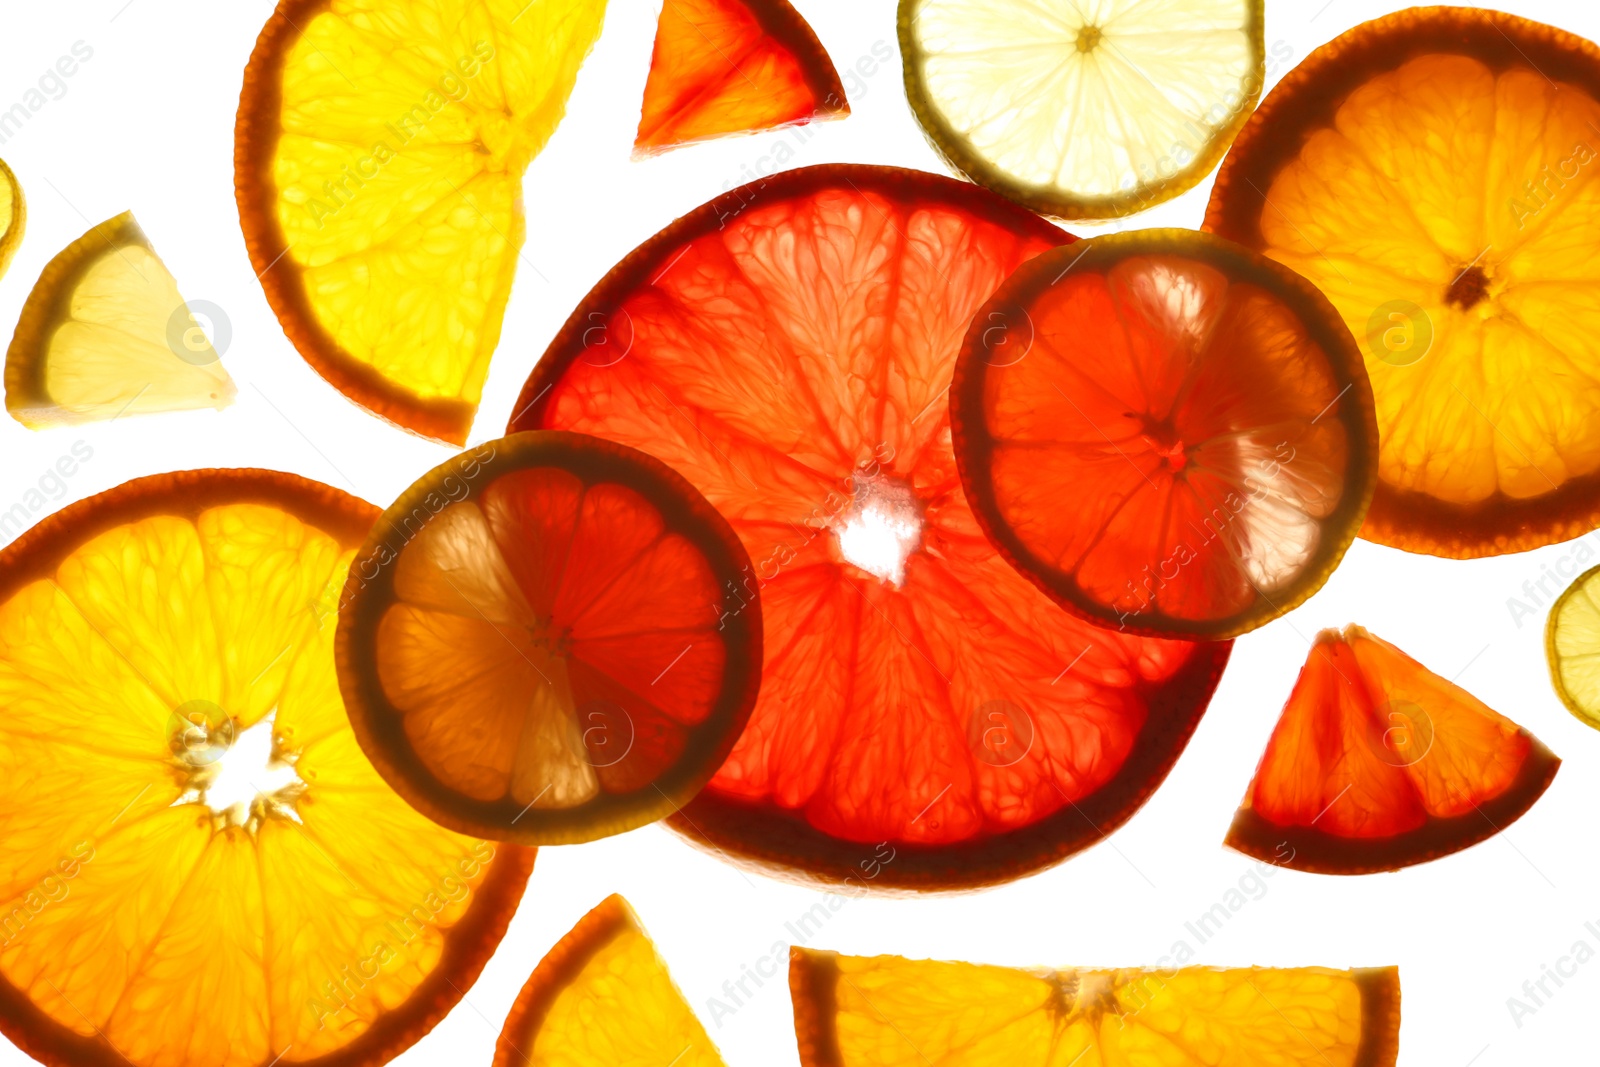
{"x": 723, "y": 67}
{"x": 787, "y": 348}
{"x": 1377, "y": 763}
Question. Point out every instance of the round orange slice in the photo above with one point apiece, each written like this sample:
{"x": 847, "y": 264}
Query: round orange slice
{"x": 885, "y": 1011}
{"x": 787, "y": 347}
{"x": 1203, "y": 407}
{"x": 1377, "y": 763}
{"x": 603, "y": 996}
{"x": 546, "y": 639}
{"x": 13, "y": 216}
{"x": 200, "y": 866}
{"x": 1433, "y": 173}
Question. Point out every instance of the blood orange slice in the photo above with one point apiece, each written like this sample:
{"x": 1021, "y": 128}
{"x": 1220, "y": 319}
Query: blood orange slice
{"x": 1204, "y": 405}
{"x": 733, "y": 66}
{"x": 787, "y": 347}
{"x": 1378, "y": 763}
{"x": 545, "y": 639}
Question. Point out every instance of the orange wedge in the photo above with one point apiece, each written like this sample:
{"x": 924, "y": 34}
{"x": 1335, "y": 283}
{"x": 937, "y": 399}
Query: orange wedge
{"x": 602, "y": 996}
{"x": 733, "y": 66}
{"x": 1433, "y": 172}
{"x": 378, "y": 161}
{"x": 1377, "y": 763}
{"x": 885, "y": 1011}
{"x": 104, "y": 334}
{"x": 200, "y": 867}
{"x": 13, "y": 216}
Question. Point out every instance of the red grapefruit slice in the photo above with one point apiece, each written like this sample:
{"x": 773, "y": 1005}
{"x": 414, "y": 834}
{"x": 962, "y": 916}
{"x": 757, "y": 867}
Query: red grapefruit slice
{"x": 787, "y": 347}
{"x": 733, "y": 66}
{"x": 1377, "y": 763}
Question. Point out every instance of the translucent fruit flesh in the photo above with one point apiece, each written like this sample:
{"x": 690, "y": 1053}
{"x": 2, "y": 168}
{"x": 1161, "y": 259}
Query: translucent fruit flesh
{"x": 1378, "y": 763}
{"x": 13, "y": 216}
{"x": 1572, "y": 647}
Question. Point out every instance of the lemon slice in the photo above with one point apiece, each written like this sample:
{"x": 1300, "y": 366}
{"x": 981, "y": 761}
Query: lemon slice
{"x": 1572, "y": 647}
{"x": 378, "y": 157}
{"x": 105, "y": 333}
{"x": 1083, "y": 110}
{"x": 13, "y": 216}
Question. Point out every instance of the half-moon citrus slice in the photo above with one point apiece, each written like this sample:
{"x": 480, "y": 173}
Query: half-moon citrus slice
{"x": 1377, "y": 763}
{"x": 722, "y": 67}
{"x": 1083, "y": 111}
{"x": 104, "y": 333}
{"x": 1572, "y": 646}
{"x": 603, "y": 996}
{"x": 13, "y": 216}
{"x": 1432, "y": 172}
{"x": 787, "y": 347}
{"x": 885, "y": 1011}
{"x": 1204, "y": 406}
{"x": 547, "y": 639}
{"x": 200, "y": 866}
{"x": 378, "y": 162}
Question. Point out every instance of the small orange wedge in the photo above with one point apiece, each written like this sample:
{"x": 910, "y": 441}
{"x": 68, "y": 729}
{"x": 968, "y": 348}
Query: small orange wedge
{"x": 1377, "y": 763}
{"x": 722, "y": 67}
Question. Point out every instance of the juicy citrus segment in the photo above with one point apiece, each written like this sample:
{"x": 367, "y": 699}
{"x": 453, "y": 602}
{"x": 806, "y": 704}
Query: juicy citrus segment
{"x": 104, "y": 333}
{"x": 13, "y": 216}
{"x": 1082, "y": 111}
{"x": 379, "y": 158}
{"x": 1206, "y": 406}
{"x": 1430, "y": 171}
{"x": 787, "y": 348}
{"x": 1572, "y": 647}
{"x": 886, "y": 1011}
{"x": 1378, "y": 763}
{"x": 733, "y": 66}
{"x": 542, "y": 640}
{"x": 163, "y": 902}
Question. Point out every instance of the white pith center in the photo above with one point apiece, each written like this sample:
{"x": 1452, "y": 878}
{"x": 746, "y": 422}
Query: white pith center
{"x": 881, "y": 527}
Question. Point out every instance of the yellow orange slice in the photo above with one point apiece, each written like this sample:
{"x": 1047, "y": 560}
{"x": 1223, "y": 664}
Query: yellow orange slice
{"x": 602, "y": 996}
{"x": 885, "y": 1011}
{"x": 1572, "y": 646}
{"x": 200, "y": 866}
{"x": 13, "y": 216}
{"x": 378, "y": 162}
{"x": 105, "y": 333}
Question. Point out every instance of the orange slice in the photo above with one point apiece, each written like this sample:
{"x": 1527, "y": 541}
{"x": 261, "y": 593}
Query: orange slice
{"x": 603, "y": 996}
{"x": 104, "y": 334}
{"x": 546, "y": 640}
{"x": 733, "y": 66}
{"x": 199, "y": 864}
{"x": 1572, "y": 647}
{"x": 378, "y": 162}
{"x": 1433, "y": 172}
{"x": 885, "y": 1011}
{"x": 13, "y": 216}
{"x": 1205, "y": 405}
{"x": 787, "y": 347}
{"x": 1378, "y": 763}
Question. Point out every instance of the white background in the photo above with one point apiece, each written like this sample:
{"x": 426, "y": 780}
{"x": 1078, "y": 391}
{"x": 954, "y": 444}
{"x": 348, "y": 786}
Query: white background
{"x": 147, "y": 124}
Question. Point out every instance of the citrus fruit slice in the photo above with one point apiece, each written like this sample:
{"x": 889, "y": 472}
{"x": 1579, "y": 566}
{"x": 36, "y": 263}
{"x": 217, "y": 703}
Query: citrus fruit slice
{"x": 13, "y": 216}
{"x": 545, "y": 640}
{"x": 1206, "y": 406}
{"x": 200, "y": 865}
{"x": 1377, "y": 763}
{"x": 787, "y": 347}
{"x": 378, "y": 166}
{"x": 733, "y": 66}
{"x": 603, "y": 996}
{"x": 104, "y": 333}
{"x": 885, "y": 1011}
{"x": 1082, "y": 111}
{"x": 1430, "y": 172}
{"x": 1572, "y": 646}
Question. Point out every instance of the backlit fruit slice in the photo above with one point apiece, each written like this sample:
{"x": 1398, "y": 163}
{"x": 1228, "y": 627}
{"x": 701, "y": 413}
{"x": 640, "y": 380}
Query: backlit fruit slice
{"x": 1378, "y": 763}
{"x": 885, "y": 1011}
{"x": 546, "y": 640}
{"x": 1083, "y": 111}
{"x": 1433, "y": 173}
{"x": 603, "y": 996}
{"x": 927, "y": 719}
{"x": 1572, "y": 646}
{"x": 733, "y": 66}
{"x": 1204, "y": 406}
{"x": 13, "y": 216}
{"x": 378, "y": 163}
{"x": 104, "y": 333}
{"x": 199, "y": 864}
